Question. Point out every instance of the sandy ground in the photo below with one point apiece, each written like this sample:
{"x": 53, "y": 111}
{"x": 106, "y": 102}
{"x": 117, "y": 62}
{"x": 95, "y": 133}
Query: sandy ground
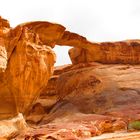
{"x": 118, "y": 136}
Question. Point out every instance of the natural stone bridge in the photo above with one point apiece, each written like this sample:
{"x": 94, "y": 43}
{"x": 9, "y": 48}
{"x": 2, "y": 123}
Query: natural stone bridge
{"x": 27, "y": 59}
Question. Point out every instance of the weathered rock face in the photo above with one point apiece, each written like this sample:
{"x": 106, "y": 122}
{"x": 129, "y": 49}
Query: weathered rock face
{"x": 95, "y": 88}
{"x": 12, "y": 127}
{"x": 26, "y": 63}
{"x": 27, "y": 76}
{"x": 80, "y": 101}
{"x": 4, "y": 33}
{"x": 48, "y": 33}
{"x": 92, "y": 99}
{"x": 124, "y": 52}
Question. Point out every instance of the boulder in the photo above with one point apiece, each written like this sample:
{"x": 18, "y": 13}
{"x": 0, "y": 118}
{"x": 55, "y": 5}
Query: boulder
{"x": 10, "y": 128}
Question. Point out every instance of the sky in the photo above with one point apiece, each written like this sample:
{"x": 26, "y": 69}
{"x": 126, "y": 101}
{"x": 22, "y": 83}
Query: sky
{"x": 97, "y": 20}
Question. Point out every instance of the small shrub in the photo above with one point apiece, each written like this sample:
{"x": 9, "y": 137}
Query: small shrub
{"x": 134, "y": 125}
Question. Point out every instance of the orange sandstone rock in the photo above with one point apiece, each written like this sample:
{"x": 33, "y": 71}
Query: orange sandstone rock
{"x": 123, "y": 52}
{"x": 27, "y": 63}
{"x": 93, "y": 98}
{"x": 4, "y": 40}
{"x": 26, "y": 60}
{"x": 76, "y": 93}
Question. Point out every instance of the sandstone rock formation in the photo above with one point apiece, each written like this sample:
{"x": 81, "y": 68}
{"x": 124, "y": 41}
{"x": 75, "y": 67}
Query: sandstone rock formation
{"x": 81, "y": 100}
{"x": 30, "y": 64}
{"x": 123, "y": 52}
{"x": 92, "y": 99}
{"x": 4, "y": 33}
{"x": 12, "y": 127}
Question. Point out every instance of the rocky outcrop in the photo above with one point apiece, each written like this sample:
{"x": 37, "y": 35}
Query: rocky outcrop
{"x": 12, "y": 127}
{"x": 4, "y": 34}
{"x": 27, "y": 64}
{"x": 81, "y": 100}
{"x": 90, "y": 99}
{"x": 94, "y": 87}
{"x": 123, "y": 52}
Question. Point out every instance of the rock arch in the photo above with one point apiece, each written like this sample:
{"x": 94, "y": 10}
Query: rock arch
{"x": 27, "y": 60}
